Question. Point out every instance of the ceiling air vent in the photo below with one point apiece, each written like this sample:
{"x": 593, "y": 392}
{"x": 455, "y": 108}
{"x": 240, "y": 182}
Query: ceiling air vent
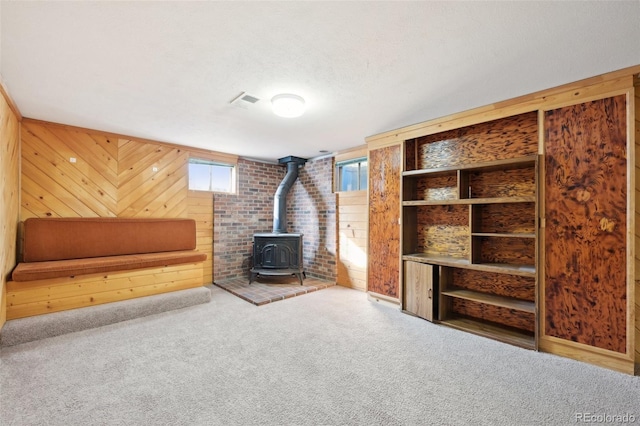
{"x": 243, "y": 100}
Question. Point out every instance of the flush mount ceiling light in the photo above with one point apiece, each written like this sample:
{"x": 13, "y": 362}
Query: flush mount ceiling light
{"x": 288, "y": 105}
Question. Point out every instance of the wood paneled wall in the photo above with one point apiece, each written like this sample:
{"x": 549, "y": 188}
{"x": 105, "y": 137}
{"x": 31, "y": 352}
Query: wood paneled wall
{"x": 385, "y": 166}
{"x": 152, "y": 181}
{"x": 586, "y": 233}
{"x": 352, "y": 239}
{"x": 74, "y": 172}
{"x": 54, "y": 186}
{"x": 9, "y": 193}
{"x": 200, "y": 208}
{"x": 512, "y": 137}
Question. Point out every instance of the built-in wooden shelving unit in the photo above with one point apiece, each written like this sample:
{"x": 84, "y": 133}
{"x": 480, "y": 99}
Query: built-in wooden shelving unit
{"x": 518, "y": 218}
{"x": 469, "y": 208}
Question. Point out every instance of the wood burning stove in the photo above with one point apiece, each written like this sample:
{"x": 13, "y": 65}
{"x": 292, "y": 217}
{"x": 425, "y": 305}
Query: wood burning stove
{"x": 279, "y": 253}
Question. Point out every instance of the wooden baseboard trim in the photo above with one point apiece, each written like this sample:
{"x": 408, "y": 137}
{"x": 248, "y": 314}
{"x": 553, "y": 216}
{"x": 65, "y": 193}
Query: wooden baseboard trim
{"x": 385, "y": 300}
{"x": 623, "y": 363}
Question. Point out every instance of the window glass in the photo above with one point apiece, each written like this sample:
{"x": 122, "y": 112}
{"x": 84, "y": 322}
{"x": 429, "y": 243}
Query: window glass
{"x": 352, "y": 175}
{"x": 349, "y": 177}
{"x": 210, "y": 176}
{"x": 364, "y": 172}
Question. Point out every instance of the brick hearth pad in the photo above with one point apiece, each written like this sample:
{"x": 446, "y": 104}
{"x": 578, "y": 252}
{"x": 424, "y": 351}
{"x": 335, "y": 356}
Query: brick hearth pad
{"x": 266, "y": 290}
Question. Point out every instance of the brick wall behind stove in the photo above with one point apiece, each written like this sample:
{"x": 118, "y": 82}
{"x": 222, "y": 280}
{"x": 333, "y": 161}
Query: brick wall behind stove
{"x": 237, "y": 217}
{"x": 311, "y": 210}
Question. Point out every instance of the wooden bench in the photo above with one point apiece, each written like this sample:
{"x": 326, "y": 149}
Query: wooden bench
{"x": 69, "y": 263}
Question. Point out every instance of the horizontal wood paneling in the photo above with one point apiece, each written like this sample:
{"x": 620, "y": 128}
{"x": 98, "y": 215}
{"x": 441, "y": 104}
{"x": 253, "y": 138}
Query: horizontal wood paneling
{"x": 60, "y": 294}
{"x": 200, "y": 208}
{"x": 352, "y": 242}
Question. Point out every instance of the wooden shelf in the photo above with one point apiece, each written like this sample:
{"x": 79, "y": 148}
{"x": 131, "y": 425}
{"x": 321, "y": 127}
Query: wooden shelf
{"x": 499, "y": 333}
{"x": 500, "y": 268}
{"x": 477, "y": 223}
{"x": 503, "y": 268}
{"x": 437, "y": 260}
{"x": 487, "y": 166}
{"x": 503, "y": 235}
{"x": 502, "y": 200}
{"x": 490, "y": 299}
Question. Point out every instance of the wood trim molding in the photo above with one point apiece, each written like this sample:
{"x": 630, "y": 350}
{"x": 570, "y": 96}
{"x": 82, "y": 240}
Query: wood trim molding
{"x": 12, "y": 105}
{"x": 623, "y": 363}
{"x": 576, "y": 91}
{"x": 350, "y": 154}
{"x": 386, "y": 300}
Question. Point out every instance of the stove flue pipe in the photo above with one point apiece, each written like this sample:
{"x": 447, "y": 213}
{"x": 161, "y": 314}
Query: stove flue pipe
{"x": 280, "y": 197}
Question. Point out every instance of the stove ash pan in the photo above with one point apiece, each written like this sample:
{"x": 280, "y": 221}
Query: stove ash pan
{"x": 277, "y": 254}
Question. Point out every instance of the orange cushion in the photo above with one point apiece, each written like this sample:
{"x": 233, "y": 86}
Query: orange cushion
{"x": 30, "y": 271}
{"x": 78, "y": 238}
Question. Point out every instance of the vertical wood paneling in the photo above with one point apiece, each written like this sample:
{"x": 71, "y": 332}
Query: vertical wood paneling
{"x": 352, "y": 239}
{"x": 9, "y": 193}
{"x": 585, "y": 235}
{"x": 384, "y": 216}
{"x": 200, "y": 208}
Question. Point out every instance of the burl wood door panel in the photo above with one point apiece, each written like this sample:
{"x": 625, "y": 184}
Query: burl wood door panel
{"x": 384, "y": 213}
{"x": 586, "y": 214}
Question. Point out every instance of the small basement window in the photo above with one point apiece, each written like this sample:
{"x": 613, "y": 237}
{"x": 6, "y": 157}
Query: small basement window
{"x": 207, "y": 175}
{"x": 352, "y": 174}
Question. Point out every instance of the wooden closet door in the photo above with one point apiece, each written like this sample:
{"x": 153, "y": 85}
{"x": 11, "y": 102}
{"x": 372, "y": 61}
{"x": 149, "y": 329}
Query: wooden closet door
{"x": 384, "y": 228}
{"x": 585, "y": 292}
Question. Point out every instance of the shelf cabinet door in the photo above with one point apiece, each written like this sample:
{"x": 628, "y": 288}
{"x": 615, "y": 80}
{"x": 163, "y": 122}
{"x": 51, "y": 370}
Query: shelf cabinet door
{"x": 585, "y": 290}
{"x": 383, "y": 273}
{"x": 420, "y": 287}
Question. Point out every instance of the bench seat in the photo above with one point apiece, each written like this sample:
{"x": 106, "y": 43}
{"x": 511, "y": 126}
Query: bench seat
{"x": 70, "y": 263}
{"x": 31, "y": 271}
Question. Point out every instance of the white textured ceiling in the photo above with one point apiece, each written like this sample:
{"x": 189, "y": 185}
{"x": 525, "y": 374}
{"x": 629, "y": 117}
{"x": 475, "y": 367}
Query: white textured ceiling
{"x": 168, "y": 70}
